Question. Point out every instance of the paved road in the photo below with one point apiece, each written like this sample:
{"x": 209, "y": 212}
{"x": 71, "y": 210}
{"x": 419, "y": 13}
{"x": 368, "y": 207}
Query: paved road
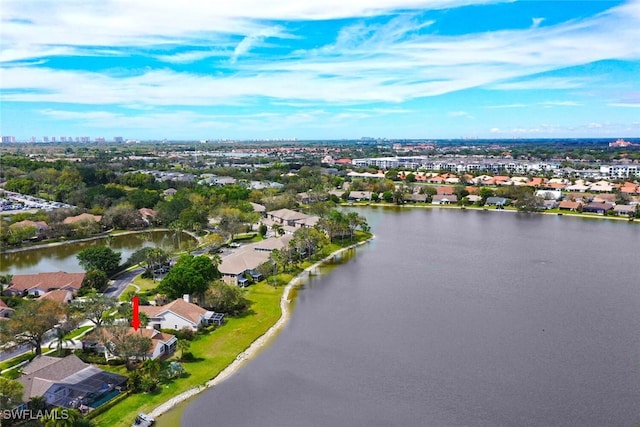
{"x": 121, "y": 282}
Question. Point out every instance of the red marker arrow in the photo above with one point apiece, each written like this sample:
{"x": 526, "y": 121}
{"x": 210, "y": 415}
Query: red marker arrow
{"x": 135, "y": 320}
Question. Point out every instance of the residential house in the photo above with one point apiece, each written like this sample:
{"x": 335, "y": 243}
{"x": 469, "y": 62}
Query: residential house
{"x": 292, "y": 218}
{"x": 599, "y": 208}
{"x": 81, "y": 217}
{"x": 445, "y": 191}
{"x": 417, "y": 198}
{"x": 568, "y": 205}
{"x": 359, "y": 195}
{"x": 147, "y": 215}
{"x": 440, "y": 199}
{"x": 162, "y": 343}
{"x": 605, "y": 198}
{"x": 473, "y": 198}
{"x": 177, "y": 315}
{"x": 624, "y": 209}
{"x": 496, "y": 201}
{"x": 69, "y": 382}
{"x": 170, "y": 192}
{"x": 5, "y": 310}
{"x": 41, "y": 283}
{"x": 259, "y": 209}
{"x": 40, "y": 227}
{"x": 61, "y": 296}
{"x": 249, "y": 257}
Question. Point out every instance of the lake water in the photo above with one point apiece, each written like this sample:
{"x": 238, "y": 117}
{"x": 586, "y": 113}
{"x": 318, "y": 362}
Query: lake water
{"x": 63, "y": 257}
{"x": 455, "y": 318}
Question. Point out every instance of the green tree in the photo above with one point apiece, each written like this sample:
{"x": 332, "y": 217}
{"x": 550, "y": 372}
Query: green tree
{"x": 59, "y": 340}
{"x": 10, "y": 393}
{"x": 124, "y": 342}
{"x": 225, "y": 298}
{"x": 100, "y": 258}
{"x": 95, "y": 280}
{"x": 94, "y": 307}
{"x": 485, "y": 193}
{"x": 30, "y": 321}
{"x": 183, "y": 345}
{"x": 190, "y": 275}
{"x": 5, "y": 281}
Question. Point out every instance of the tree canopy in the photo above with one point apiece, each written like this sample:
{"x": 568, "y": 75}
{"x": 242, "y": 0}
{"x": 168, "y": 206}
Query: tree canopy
{"x": 30, "y": 321}
{"x": 99, "y": 258}
{"x": 190, "y": 275}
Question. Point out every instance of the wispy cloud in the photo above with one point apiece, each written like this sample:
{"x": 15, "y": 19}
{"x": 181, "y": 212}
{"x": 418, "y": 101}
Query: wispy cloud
{"x": 461, "y": 114}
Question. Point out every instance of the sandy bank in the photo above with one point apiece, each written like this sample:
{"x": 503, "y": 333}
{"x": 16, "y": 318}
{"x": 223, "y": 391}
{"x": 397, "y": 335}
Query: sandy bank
{"x": 258, "y": 344}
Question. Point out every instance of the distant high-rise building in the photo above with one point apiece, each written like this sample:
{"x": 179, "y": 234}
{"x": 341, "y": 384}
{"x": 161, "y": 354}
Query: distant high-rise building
{"x": 53, "y": 139}
{"x": 63, "y": 139}
{"x": 118, "y": 139}
{"x": 99, "y": 139}
{"x": 8, "y": 139}
{"x": 33, "y": 139}
{"x": 45, "y": 139}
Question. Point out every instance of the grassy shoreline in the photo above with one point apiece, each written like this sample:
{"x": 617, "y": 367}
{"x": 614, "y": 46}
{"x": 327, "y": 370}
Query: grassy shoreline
{"x": 555, "y": 212}
{"x": 224, "y": 350}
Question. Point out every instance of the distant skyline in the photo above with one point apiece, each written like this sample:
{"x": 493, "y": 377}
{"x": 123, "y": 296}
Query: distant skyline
{"x": 330, "y": 69}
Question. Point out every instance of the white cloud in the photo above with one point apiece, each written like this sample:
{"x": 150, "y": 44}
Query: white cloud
{"x": 392, "y": 62}
{"x": 625, "y": 105}
{"x": 461, "y": 114}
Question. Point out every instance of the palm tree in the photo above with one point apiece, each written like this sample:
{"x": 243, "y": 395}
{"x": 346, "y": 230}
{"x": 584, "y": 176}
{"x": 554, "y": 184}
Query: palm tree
{"x": 183, "y": 346}
{"x": 59, "y": 340}
{"x": 151, "y": 367}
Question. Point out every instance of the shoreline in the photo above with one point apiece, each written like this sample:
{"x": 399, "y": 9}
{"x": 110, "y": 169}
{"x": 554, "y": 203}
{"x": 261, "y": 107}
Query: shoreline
{"x": 259, "y": 343}
{"x": 568, "y": 214}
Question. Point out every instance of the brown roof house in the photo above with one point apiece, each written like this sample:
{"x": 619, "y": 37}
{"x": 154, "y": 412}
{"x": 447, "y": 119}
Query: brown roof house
{"x": 61, "y": 296}
{"x": 5, "y": 310}
{"x": 41, "y": 283}
{"x": 177, "y": 314}
{"x": 568, "y": 205}
{"x": 40, "y": 227}
{"x": 162, "y": 344}
{"x": 81, "y": 217}
{"x": 69, "y": 382}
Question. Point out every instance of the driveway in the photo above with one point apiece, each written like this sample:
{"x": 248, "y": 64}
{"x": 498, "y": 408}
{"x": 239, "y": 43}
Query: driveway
{"x": 120, "y": 283}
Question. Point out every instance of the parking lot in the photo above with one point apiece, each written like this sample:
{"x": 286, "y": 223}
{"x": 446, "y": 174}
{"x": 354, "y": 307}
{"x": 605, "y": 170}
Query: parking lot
{"x": 15, "y": 202}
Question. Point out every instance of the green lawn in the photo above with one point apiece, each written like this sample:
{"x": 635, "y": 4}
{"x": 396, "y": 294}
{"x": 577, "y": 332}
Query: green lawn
{"x": 77, "y": 332}
{"x": 217, "y": 350}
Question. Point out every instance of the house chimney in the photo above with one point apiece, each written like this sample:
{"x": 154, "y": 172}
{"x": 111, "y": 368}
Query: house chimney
{"x": 186, "y": 297}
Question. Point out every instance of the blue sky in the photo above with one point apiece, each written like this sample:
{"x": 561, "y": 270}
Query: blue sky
{"x": 319, "y": 69}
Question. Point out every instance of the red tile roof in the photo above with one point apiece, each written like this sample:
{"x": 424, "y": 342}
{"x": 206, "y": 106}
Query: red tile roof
{"x": 47, "y": 281}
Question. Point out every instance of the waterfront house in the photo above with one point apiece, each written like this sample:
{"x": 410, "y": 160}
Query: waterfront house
{"x": 162, "y": 343}
{"x": 599, "y": 208}
{"x": 568, "y": 205}
{"x": 40, "y": 227}
{"x": 440, "y": 199}
{"x": 624, "y": 209}
{"x": 249, "y": 257}
{"x": 417, "y": 198}
{"x": 41, "y": 283}
{"x": 496, "y": 201}
{"x": 69, "y": 382}
{"x": 177, "y": 315}
{"x": 81, "y": 217}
